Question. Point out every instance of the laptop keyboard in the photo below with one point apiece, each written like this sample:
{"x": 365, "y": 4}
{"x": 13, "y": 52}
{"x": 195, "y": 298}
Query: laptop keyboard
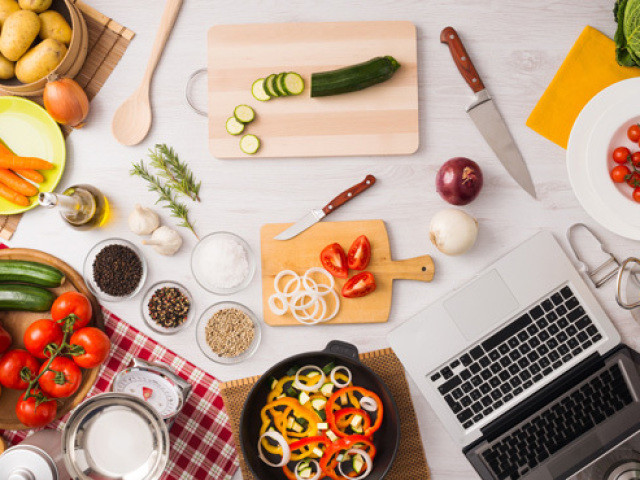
{"x": 512, "y": 360}
{"x": 556, "y": 426}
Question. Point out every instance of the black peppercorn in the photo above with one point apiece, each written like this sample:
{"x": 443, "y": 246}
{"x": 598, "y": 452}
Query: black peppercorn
{"x": 117, "y": 270}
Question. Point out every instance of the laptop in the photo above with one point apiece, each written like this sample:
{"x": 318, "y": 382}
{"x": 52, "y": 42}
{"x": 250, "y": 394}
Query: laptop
{"x": 523, "y": 367}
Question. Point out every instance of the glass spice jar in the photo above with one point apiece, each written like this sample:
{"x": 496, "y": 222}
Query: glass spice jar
{"x": 167, "y": 307}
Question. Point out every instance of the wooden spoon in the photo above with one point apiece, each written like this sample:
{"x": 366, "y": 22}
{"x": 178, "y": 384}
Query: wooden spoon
{"x": 132, "y": 120}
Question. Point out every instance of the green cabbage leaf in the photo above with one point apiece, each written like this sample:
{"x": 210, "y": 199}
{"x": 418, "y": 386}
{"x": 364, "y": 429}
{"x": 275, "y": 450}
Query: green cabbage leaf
{"x": 627, "y": 36}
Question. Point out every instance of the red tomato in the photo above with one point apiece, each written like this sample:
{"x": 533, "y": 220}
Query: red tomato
{"x": 72, "y": 302}
{"x": 359, "y": 253}
{"x": 633, "y": 133}
{"x": 62, "y": 379}
{"x": 95, "y": 347}
{"x": 619, "y": 173}
{"x": 635, "y": 159}
{"x": 334, "y": 260}
{"x": 5, "y": 340}
{"x": 621, "y": 155}
{"x": 13, "y": 364}
{"x": 35, "y": 416}
{"x": 636, "y": 194}
{"x": 633, "y": 180}
{"x": 359, "y": 285}
{"x": 40, "y": 334}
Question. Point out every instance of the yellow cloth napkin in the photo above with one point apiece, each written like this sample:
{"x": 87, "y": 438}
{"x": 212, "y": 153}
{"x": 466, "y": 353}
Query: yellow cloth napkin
{"x": 589, "y": 67}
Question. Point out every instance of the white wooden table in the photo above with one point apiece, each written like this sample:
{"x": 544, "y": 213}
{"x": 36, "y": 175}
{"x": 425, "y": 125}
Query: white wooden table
{"x": 516, "y": 46}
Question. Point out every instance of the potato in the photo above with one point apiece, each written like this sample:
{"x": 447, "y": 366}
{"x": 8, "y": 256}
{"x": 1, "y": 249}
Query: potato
{"x": 40, "y": 61}
{"x": 7, "y": 7}
{"x": 37, "y": 6}
{"x": 53, "y": 25}
{"x": 7, "y": 68}
{"x": 18, "y": 33}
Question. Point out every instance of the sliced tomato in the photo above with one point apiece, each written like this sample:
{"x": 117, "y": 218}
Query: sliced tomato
{"x": 334, "y": 260}
{"x": 359, "y": 253}
{"x": 359, "y": 285}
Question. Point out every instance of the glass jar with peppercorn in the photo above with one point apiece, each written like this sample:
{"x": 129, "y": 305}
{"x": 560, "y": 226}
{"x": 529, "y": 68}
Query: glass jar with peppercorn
{"x": 167, "y": 307}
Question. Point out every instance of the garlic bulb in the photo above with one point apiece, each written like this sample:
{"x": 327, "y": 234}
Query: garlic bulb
{"x": 143, "y": 221}
{"x": 165, "y": 241}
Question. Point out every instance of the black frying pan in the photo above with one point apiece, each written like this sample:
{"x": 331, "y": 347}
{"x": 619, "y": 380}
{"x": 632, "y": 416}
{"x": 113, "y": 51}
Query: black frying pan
{"x": 386, "y": 439}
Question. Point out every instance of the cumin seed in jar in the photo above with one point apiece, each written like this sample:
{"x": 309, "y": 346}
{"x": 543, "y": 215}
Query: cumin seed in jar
{"x": 229, "y": 332}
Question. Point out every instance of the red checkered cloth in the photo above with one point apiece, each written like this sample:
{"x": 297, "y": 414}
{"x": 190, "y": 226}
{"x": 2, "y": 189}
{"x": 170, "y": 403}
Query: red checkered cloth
{"x": 201, "y": 443}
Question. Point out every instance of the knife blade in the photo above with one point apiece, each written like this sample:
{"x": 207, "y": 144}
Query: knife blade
{"x": 315, "y": 215}
{"x": 485, "y": 115}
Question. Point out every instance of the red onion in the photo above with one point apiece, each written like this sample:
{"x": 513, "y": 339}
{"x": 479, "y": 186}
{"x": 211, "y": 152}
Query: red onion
{"x": 459, "y": 180}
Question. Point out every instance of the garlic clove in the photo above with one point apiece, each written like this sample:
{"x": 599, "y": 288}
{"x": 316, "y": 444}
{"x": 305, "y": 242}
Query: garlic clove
{"x": 143, "y": 221}
{"x": 165, "y": 241}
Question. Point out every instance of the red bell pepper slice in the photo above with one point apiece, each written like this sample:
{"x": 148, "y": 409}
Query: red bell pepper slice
{"x": 329, "y": 461}
{"x": 331, "y": 414}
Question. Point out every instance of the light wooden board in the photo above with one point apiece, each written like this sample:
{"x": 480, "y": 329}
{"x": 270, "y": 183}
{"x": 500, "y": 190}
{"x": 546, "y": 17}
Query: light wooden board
{"x": 17, "y": 322}
{"x": 303, "y": 252}
{"x": 380, "y": 120}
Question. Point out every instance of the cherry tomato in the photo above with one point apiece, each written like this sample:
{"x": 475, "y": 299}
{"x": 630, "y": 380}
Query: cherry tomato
{"x": 40, "y": 334}
{"x": 633, "y": 133}
{"x": 619, "y": 173}
{"x": 12, "y": 364}
{"x": 359, "y": 285}
{"x": 72, "y": 302}
{"x": 633, "y": 180}
{"x": 5, "y": 340}
{"x": 62, "y": 379}
{"x": 636, "y": 194}
{"x": 359, "y": 253}
{"x": 621, "y": 155}
{"x": 35, "y": 416}
{"x": 334, "y": 260}
{"x": 635, "y": 159}
{"x": 95, "y": 347}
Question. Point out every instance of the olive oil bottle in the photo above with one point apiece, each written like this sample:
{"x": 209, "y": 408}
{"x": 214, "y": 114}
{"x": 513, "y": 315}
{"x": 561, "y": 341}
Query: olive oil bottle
{"x": 81, "y": 206}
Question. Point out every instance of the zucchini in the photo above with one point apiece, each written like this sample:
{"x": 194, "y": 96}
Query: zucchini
{"x": 26, "y": 298}
{"x": 249, "y": 144}
{"x": 293, "y": 83}
{"x": 233, "y": 126}
{"x": 327, "y": 389}
{"x": 33, "y": 273}
{"x": 244, "y": 113}
{"x": 280, "y": 83}
{"x": 354, "y": 77}
{"x": 258, "y": 91}
{"x": 268, "y": 85}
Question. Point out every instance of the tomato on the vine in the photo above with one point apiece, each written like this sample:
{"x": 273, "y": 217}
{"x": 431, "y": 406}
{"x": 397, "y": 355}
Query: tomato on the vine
{"x": 72, "y": 302}
{"x": 636, "y": 194}
{"x": 621, "y": 155}
{"x": 635, "y": 159}
{"x": 5, "y": 340}
{"x": 334, "y": 260}
{"x": 62, "y": 379}
{"x": 359, "y": 285}
{"x": 93, "y": 344}
{"x": 33, "y": 414}
{"x": 633, "y": 180}
{"x": 619, "y": 173}
{"x": 41, "y": 333}
{"x": 359, "y": 253}
{"x": 13, "y": 364}
{"x": 633, "y": 132}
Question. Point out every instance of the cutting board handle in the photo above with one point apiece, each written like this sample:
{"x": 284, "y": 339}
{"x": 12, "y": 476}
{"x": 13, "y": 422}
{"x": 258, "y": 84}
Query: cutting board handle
{"x": 418, "y": 268}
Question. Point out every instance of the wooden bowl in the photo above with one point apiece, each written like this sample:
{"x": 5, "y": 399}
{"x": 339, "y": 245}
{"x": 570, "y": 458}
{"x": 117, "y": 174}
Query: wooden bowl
{"x": 72, "y": 61}
{"x": 17, "y": 322}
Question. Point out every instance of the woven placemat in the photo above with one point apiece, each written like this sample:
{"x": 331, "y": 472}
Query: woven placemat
{"x": 108, "y": 41}
{"x": 410, "y": 462}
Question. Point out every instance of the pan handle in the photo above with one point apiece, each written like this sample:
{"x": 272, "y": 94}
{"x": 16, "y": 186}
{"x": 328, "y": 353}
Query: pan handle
{"x": 342, "y": 348}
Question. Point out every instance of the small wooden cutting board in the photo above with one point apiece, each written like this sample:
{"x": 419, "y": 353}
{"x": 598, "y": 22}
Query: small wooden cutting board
{"x": 303, "y": 252}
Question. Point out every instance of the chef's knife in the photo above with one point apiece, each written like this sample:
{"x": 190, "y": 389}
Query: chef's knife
{"x": 485, "y": 115}
{"x": 315, "y": 215}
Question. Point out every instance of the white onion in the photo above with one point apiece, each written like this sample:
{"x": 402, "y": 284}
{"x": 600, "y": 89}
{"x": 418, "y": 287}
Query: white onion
{"x": 284, "y": 273}
{"x": 311, "y": 460}
{"x": 293, "y": 303}
{"x": 286, "y": 452}
{"x": 368, "y": 404}
{"x": 453, "y": 231}
{"x": 333, "y": 376}
{"x": 367, "y": 459}
{"x": 335, "y": 309}
{"x": 309, "y": 388}
{"x": 272, "y": 303}
{"x": 313, "y": 317}
{"x": 306, "y": 279}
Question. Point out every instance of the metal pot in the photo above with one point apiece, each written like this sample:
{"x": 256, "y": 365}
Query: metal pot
{"x": 386, "y": 439}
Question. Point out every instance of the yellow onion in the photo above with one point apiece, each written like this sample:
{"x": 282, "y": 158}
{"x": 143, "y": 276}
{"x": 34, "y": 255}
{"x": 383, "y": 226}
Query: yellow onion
{"x": 66, "y": 101}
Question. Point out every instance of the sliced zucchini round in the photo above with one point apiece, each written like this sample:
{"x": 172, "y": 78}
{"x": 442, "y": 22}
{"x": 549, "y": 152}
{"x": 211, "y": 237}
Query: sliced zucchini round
{"x": 244, "y": 113}
{"x": 258, "y": 91}
{"x": 268, "y": 85}
{"x": 234, "y": 127}
{"x": 280, "y": 84}
{"x": 249, "y": 144}
{"x": 293, "y": 83}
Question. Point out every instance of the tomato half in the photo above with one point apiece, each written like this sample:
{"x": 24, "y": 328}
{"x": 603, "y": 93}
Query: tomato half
{"x": 633, "y": 132}
{"x": 619, "y": 173}
{"x": 35, "y": 416}
{"x": 72, "y": 302}
{"x": 12, "y": 364}
{"x": 93, "y": 345}
{"x": 334, "y": 260}
{"x": 41, "y": 333}
{"x": 5, "y": 340}
{"x": 359, "y": 285}
{"x": 62, "y": 379}
{"x": 621, "y": 155}
{"x": 359, "y": 253}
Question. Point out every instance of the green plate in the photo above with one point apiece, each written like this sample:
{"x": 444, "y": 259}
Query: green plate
{"x": 29, "y": 131}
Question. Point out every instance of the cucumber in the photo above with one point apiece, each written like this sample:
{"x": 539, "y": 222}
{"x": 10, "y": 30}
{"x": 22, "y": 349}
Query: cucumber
{"x": 33, "y": 273}
{"x": 258, "y": 91}
{"x": 249, "y": 144}
{"x": 233, "y": 126}
{"x": 293, "y": 83}
{"x": 244, "y": 113}
{"x": 25, "y": 297}
{"x": 354, "y": 77}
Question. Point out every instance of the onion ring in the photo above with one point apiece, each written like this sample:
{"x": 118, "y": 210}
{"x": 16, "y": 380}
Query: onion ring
{"x": 283, "y": 300}
{"x": 309, "y": 460}
{"x": 336, "y": 309}
{"x": 310, "y": 319}
{"x": 282, "y": 274}
{"x": 335, "y": 381}
{"x": 368, "y": 404}
{"x": 305, "y": 279}
{"x": 299, "y": 295}
{"x": 286, "y": 451}
{"x": 309, "y": 388}
{"x": 367, "y": 459}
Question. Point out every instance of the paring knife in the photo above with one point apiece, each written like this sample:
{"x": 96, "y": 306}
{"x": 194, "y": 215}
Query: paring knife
{"x": 315, "y": 215}
{"x": 486, "y": 116}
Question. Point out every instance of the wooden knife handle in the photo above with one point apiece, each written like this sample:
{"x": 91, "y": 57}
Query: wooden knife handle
{"x": 348, "y": 194}
{"x": 461, "y": 58}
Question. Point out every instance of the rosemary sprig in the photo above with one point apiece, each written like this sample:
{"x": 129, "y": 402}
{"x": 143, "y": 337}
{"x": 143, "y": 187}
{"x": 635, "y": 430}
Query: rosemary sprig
{"x": 178, "y": 209}
{"x": 178, "y": 175}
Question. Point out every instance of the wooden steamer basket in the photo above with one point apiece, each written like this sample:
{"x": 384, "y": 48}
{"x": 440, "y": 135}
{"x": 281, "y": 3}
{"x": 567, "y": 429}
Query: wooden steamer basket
{"x": 72, "y": 61}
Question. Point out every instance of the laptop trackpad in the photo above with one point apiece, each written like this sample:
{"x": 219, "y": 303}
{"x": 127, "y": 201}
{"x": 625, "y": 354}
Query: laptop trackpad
{"x": 480, "y": 304}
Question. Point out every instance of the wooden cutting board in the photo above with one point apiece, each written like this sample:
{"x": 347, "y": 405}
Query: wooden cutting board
{"x": 380, "y": 120}
{"x": 17, "y": 322}
{"x": 303, "y": 252}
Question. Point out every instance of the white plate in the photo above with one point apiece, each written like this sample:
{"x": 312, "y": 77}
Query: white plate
{"x": 593, "y": 135}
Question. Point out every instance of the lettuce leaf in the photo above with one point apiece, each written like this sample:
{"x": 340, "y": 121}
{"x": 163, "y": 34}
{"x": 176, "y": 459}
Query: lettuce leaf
{"x": 627, "y": 36}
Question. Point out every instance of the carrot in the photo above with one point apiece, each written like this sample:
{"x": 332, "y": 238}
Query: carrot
{"x": 12, "y": 196}
{"x": 16, "y": 183}
{"x": 4, "y": 150}
{"x": 15, "y": 162}
{"x": 29, "y": 174}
